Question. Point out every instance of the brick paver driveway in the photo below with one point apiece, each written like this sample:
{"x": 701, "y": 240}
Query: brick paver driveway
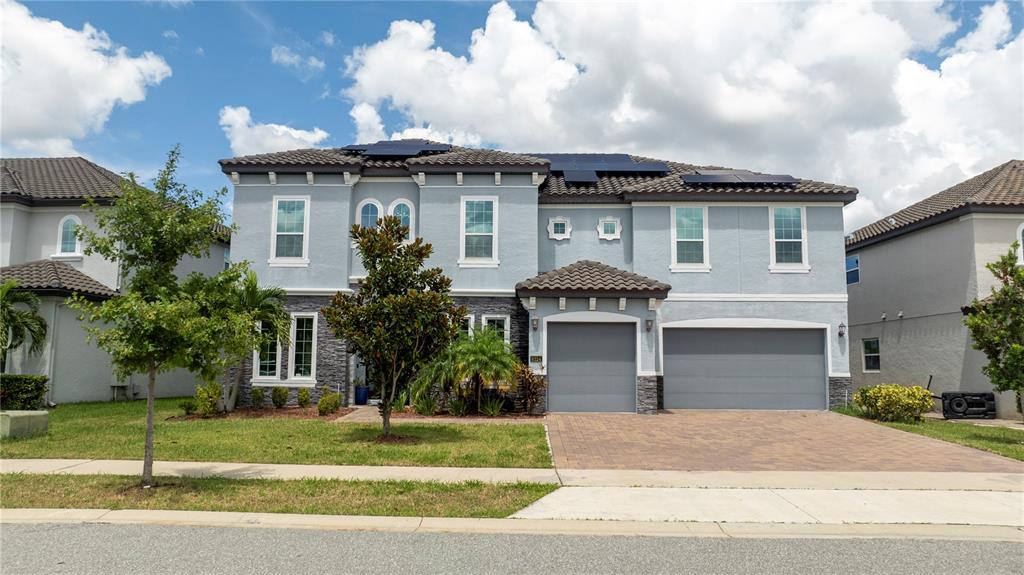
{"x": 720, "y": 440}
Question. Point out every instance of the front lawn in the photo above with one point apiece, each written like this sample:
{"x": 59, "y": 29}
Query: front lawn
{"x": 319, "y": 496}
{"x": 1000, "y": 440}
{"x": 117, "y": 431}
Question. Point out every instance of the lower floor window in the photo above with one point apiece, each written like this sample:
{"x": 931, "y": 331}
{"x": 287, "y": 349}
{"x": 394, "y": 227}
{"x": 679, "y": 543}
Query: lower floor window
{"x": 499, "y": 323}
{"x": 466, "y": 328}
{"x": 268, "y": 354}
{"x": 872, "y": 355}
{"x": 303, "y": 345}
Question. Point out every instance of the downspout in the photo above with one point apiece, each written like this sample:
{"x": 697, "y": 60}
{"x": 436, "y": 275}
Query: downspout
{"x": 52, "y": 334}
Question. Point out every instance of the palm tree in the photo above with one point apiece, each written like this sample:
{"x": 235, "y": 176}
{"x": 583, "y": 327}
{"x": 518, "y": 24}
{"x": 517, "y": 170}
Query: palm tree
{"x": 485, "y": 358}
{"x": 270, "y": 321}
{"x": 18, "y": 323}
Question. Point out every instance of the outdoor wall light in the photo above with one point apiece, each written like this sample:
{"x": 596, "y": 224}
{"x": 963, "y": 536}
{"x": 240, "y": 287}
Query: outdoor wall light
{"x": 534, "y": 323}
{"x": 648, "y": 324}
{"x": 842, "y": 329}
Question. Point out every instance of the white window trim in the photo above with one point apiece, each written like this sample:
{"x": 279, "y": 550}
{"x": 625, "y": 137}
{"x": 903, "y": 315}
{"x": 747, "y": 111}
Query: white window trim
{"x": 303, "y": 261}
{"x": 412, "y": 216}
{"x": 491, "y": 262}
{"x": 864, "y": 354}
{"x": 559, "y": 220}
{"x": 856, "y": 268}
{"x": 600, "y": 228}
{"x": 255, "y": 377}
{"x": 800, "y": 268}
{"x": 311, "y": 378}
{"x": 674, "y": 266}
{"x": 75, "y": 255}
{"x": 1020, "y": 247}
{"x": 362, "y": 204}
{"x": 507, "y": 332}
{"x": 471, "y": 319}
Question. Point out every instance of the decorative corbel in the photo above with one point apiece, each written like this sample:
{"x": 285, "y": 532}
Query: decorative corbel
{"x": 235, "y": 178}
{"x": 593, "y": 303}
{"x": 497, "y": 178}
{"x": 458, "y": 178}
{"x": 273, "y": 178}
{"x": 622, "y": 304}
{"x": 348, "y": 178}
{"x": 561, "y": 304}
{"x": 309, "y": 178}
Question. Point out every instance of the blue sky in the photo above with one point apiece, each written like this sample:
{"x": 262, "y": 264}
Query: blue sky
{"x": 222, "y": 54}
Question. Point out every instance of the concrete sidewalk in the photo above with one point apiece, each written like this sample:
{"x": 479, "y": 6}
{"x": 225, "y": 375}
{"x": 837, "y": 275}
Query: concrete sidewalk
{"x": 510, "y": 526}
{"x": 927, "y": 481}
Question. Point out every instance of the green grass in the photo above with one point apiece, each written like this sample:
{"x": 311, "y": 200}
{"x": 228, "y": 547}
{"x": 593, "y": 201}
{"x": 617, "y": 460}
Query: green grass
{"x": 319, "y": 496}
{"x": 117, "y": 431}
{"x": 1000, "y": 440}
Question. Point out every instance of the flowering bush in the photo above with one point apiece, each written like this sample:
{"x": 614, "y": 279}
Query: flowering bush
{"x": 893, "y": 402}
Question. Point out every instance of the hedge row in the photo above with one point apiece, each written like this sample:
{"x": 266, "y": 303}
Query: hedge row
{"x": 22, "y": 392}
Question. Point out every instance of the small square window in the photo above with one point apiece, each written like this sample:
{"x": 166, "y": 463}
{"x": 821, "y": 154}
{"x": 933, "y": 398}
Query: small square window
{"x": 609, "y": 228}
{"x": 559, "y": 228}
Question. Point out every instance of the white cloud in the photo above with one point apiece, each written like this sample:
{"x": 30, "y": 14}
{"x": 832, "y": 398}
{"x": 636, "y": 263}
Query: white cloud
{"x": 170, "y": 34}
{"x": 247, "y": 137}
{"x": 327, "y": 38}
{"x": 307, "y": 66}
{"x": 200, "y": 51}
{"x": 824, "y": 91}
{"x": 61, "y": 84}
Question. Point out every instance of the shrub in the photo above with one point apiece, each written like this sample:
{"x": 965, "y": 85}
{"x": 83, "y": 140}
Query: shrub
{"x": 401, "y": 398}
{"x": 207, "y": 397}
{"x": 22, "y": 392}
{"x": 491, "y": 406}
{"x": 531, "y": 386}
{"x": 425, "y": 404}
{"x": 188, "y": 405}
{"x": 893, "y": 402}
{"x": 329, "y": 403}
{"x": 256, "y": 397}
{"x": 458, "y": 407}
{"x": 303, "y": 397}
{"x": 279, "y": 396}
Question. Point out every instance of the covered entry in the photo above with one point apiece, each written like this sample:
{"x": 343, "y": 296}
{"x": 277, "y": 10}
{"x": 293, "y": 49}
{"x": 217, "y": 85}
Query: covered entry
{"x": 743, "y": 368}
{"x": 591, "y": 366}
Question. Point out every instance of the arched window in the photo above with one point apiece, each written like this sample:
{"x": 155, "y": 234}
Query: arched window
{"x": 403, "y": 210}
{"x": 369, "y": 213}
{"x": 67, "y": 240}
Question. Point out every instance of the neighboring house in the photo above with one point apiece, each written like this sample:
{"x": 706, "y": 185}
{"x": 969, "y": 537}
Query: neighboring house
{"x": 909, "y": 275}
{"x": 40, "y": 208}
{"x": 630, "y": 283}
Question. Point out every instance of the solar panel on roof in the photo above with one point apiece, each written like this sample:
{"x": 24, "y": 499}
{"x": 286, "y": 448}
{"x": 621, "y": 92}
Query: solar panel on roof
{"x": 767, "y": 179}
{"x": 736, "y": 177}
{"x": 710, "y": 179}
{"x": 607, "y": 163}
{"x": 399, "y": 148}
{"x": 580, "y": 176}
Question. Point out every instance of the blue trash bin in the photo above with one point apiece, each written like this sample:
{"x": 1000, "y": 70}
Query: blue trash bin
{"x": 362, "y": 394}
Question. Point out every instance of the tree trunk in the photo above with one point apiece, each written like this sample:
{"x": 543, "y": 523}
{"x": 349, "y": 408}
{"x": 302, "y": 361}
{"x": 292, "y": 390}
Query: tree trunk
{"x": 386, "y": 416}
{"x": 236, "y": 386}
{"x": 147, "y": 461}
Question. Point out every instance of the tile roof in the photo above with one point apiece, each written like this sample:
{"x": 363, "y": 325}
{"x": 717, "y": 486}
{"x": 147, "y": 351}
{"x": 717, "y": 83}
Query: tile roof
{"x": 311, "y": 157}
{"x": 1003, "y": 185}
{"x": 675, "y": 186}
{"x": 54, "y": 276}
{"x": 608, "y": 188}
{"x": 459, "y": 156}
{"x": 587, "y": 278}
{"x": 57, "y": 178}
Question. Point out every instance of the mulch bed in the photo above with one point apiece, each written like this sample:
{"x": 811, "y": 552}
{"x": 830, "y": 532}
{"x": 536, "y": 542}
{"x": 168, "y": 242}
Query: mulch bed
{"x": 283, "y": 413}
{"x": 410, "y": 414}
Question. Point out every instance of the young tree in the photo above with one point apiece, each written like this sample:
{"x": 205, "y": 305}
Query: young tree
{"x": 19, "y": 321}
{"x": 997, "y": 325}
{"x": 269, "y": 323}
{"x": 159, "y": 323}
{"x": 400, "y": 316}
{"x": 485, "y": 358}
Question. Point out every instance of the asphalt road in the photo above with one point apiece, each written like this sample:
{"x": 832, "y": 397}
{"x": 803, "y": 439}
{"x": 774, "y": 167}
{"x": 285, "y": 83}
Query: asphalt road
{"x": 114, "y": 549}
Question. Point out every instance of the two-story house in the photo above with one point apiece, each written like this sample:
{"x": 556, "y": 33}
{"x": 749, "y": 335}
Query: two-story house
{"x": 910, "y": 273}
{"x": 41, "y": 203}
{"x": 630, "y": 283}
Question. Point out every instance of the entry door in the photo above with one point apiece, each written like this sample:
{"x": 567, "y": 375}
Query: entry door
{"x": 591, "y": 366}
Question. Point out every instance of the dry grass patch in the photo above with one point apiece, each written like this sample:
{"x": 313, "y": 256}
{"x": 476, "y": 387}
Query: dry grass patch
{"x": 310, "y": 496}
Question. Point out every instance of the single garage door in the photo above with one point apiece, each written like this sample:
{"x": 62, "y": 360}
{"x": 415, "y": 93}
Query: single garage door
{"x": 591, "y": 366}
{"x": 744, "y": 368}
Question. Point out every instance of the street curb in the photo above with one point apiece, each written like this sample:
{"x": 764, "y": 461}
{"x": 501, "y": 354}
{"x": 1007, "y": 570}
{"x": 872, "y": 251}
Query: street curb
{"x": 512, "y": 526}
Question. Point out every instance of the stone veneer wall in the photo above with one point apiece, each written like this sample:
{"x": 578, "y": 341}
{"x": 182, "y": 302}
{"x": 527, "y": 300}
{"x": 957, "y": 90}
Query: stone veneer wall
{"x": 332, "y": 371}
{"x": 519, "y": 336}
{"x": 647, "y": 394}
{"x": 840, "y": 391}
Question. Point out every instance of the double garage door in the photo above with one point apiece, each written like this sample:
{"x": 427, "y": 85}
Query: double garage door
{"x": 592, "y": 367}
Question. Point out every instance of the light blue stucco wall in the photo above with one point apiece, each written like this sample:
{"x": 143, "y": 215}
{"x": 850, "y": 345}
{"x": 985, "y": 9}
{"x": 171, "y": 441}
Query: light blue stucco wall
{"x": 584, "y": 243}
{"x": 439, "y": 207}
{"x": 329, "y": 244}
{"x": 740, "y": 251}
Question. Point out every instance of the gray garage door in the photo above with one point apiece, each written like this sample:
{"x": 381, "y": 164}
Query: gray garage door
{"x": 744, "y": 368}
{"x": 591, "y": 367}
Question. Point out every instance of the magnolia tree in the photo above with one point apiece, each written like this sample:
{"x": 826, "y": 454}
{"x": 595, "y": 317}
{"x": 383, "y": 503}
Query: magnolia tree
{"x": 997, "y": 325}
{"x": 401, "y": 315}
{"x": 161, "y": 322}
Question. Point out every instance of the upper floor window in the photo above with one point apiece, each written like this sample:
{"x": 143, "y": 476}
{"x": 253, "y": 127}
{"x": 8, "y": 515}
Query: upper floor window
{"x": 403, "y": 210}
{"x": 479, "y": 242}
{"x": 369, "y": 212}
{"x": 852, "y": 269}
{"x": 690, "y": 239}
{"x": 872, "y": 355}
{"x": 67, "y": 236}
{"x": 559, "y": 228}
{"x": 291, "y": 238}
{"x": 609, "y": 228}
{"x": 788, "y": 239}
